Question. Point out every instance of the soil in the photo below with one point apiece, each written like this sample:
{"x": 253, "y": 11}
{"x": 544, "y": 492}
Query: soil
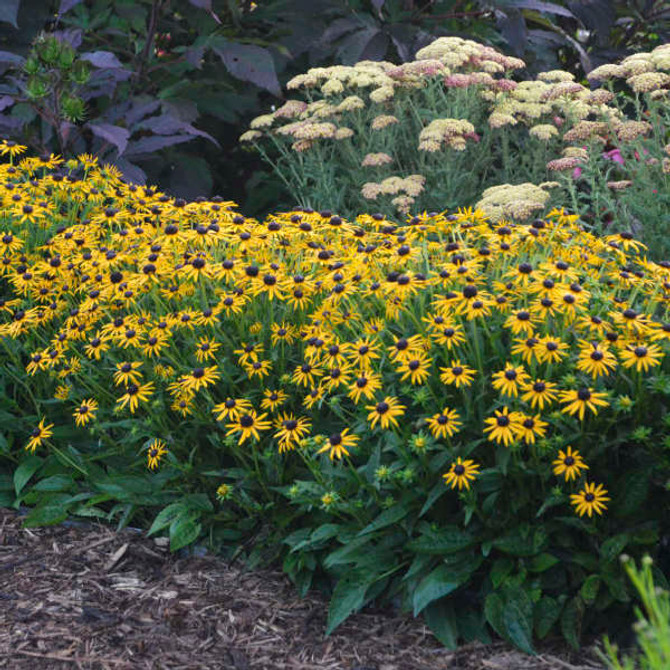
{"x": 86, "y": 596}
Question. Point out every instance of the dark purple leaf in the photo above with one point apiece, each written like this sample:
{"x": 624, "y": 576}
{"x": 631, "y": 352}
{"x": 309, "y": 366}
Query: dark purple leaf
{"x": 73, "y": 36}
{"x": 148, "y": 145}
{"x": 353, "y": 47}
{"x": 9, "y": 10}
{"x": 513, "y": 27}
{"x": 113, "y": 134}
{"x": 249, "y": 62}
{"x": 67, "y": 5}
{"x": 378, "y": 4}
{"x": 539, "y": 6}
{"x": 202, "y": 4}
{"x": 131, "y": 172}
{"x": 193, "y": 56}
{"x": 6, "y": 101}
{"x": 102, "y": 59}
{"x": 403, "y": 37}
{"x": 338, "y": 28}
{"x": 10, "y": 124}
{"x": 166, "y": 124}
{"x": 142, "y": 107}
{"x": 376, "y": 48}
{"x": 8, "y": 58}
{"x": 597, "y": 15}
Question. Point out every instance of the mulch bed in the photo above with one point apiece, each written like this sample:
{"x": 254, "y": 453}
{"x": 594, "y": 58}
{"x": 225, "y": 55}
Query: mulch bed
{"x": 87, "y": 597}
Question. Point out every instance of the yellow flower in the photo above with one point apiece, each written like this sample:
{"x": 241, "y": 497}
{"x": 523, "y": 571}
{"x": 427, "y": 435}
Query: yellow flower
{"x": 461, "y": 473}
{"x": 444, "y": 423}
{"x": 457, "y": 374}
{"x": 85, "y": 412}
{"x": 338, "y": 444}
{"x": 509, "y": 380}
{"x": 248, "y": 424}
{"x": 38, "y": 435}
{"x": 569, "y": 464}
{"x": 577, "y": 402}
{"x": 500, "y": 427}
{"x": 385, "y": 412}
{"x": 590, "y": 499}
{"x": 641, "y": 357}
{"x": 155, "y": 452}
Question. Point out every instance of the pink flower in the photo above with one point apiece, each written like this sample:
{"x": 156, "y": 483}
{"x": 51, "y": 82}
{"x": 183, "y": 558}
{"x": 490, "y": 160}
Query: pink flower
{"x": 614, "y": 155}
{"x": 577, "y": 173}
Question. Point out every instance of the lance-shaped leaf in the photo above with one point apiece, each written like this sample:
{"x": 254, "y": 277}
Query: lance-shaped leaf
{"x": 248, "y": 62}
{"x": 9, "y": 10}
{"x": 113, "y": 134}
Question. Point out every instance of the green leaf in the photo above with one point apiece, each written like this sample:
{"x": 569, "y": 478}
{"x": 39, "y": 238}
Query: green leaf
{"x": 351, "y": 553}
{"x": 449, "y": 540}
{"x": 589, "y": 589}
{"x": 440, "y": 582}
{"x": 612, "y": 548}
{"x": 493, "y": 610}
{"x": 518, "y": 619}
{"x": 442, "y": 621}
{"x": 183, "y": 531}
{"x": 636, "y": 486}
{"x": 386, "y": 518}
{"x": 542, "y": 562}
{"x": 165, "y": 517}
{"x": 435, "y": 493}
{"x": 501, "y": 569}
{"x": 25, "y": 471}
{"x": 522, "y": 541}
{"x": 46, "y": 515}
{"x": 348, "y": 597}
{"x": 545, "y": 615}
{"x": 55, "y": 483}
{"x": 571, "y": 621}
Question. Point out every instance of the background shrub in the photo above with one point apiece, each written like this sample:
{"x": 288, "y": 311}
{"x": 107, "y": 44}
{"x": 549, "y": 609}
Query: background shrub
{"x": 168, "y": 100}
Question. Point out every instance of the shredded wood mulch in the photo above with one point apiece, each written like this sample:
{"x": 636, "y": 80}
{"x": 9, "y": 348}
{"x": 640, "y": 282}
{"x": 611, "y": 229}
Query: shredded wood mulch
{"x": 88, "y": 597}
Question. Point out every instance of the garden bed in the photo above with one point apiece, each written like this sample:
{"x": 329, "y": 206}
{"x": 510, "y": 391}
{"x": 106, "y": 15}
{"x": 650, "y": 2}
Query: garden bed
{"x": 87, "y": 597}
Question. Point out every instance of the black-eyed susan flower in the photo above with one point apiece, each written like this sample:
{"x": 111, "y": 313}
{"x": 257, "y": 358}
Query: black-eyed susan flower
{"x": 338, "y": 444}
{"x": 248, "y": 425}
{"x": 461, "y": 473}
{"x": 539, "y": 393}
{"x": 273, "y": 399}
{"x": 595, "y": 359}
{"x": 500, "y": 428}
{"x": 306, "y": 374}
{"x": 38, "y": 435}
{"x": 259, "y": 369}
{"x": 590, "y": 499}
{"x": 199, "y": 378}
{"x": 528, "y": 428}
{"x": 578, "y": 401}
{"x": 386, "y": 412}
{"x": 457, "y": 373}
{"x": 445, "y": 423}
{"x": 134, "y": 395}
{"x": 155, "y": 452}
{"x": 231, "y": 408}
{"x": 206, "y": 349}
{"x": 569, "y": 464}
{"x": 365, "y": 385}
{"x": 85, "y": 412}
{"x": 128, "y": 372}
{"x": 291, "y": 430}
{"x": 527, "y": 348}
{"x": 314, "y": 396}
{"x": 416, "y": 369}
{"x": 642, "y": 357}
{"x": 509, "y": 380}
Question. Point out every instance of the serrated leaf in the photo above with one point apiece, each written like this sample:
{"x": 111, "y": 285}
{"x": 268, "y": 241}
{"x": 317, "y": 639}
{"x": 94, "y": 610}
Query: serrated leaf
{"x": 440, "y": 582}
{"x": 348, "y": 597}
{"x": 386, "y": 518}
{"x": 443, "y": 623}
{"x": 25, "y": 471}
{"x": 493, "y": 610}
{"x": 542, "y": 562}
{"x": 571, "y": 621}
{"x": 612, "y": 547}
{"x": 518, "y": 620}
{"x": 102, "y": 59}
{"x": 545, "y": 615}
{"x": 589, "y": 589}
{"x": 165, "y": 517}
{"x": 449, "y": 540}
{"x": 184, "y": 531}
{"x": 501, "y": 569}
{"x": 67, "y": 5}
